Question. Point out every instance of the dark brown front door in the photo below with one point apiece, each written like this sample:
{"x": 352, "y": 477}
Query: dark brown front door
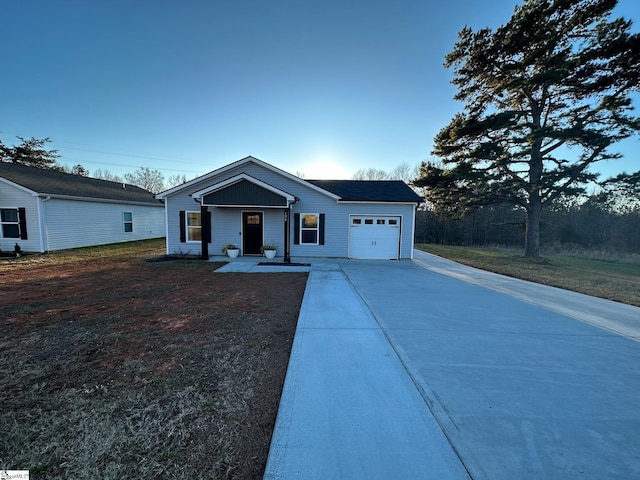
{"x": 251, "y": 233}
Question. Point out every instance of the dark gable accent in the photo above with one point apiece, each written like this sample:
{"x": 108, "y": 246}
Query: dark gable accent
{"x": 244, "y": 192}
{"x": 369, "y": 190}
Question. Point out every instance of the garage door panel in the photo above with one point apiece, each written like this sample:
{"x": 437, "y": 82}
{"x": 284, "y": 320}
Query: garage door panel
{"x": 374, "y": 237}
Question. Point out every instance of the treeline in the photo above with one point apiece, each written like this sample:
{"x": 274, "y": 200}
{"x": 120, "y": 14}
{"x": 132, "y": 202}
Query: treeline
{"x": 599, "y": 223}
{"x": 606, "y": 221}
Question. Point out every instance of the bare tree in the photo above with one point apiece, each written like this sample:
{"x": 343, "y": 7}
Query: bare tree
{"x": 75, "y": 170}
{"x": 106, "y": 175}
{"x": 144, "y": 177}
{"x": 405, "y": 172}
{"x": 370, "y": 174}
{"x": 175, "y": 180}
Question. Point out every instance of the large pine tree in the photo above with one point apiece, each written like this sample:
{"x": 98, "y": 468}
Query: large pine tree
{"x": 546, "y": 95}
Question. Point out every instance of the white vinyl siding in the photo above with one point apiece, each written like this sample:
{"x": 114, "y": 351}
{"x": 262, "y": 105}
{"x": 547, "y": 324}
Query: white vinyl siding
{"x": 72, "y": 224}
{"x": 273, "y": 222}
{"x": 56, "y": 224}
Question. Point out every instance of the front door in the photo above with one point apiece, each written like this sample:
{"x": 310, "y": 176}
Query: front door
{"x": 251, "y": 233}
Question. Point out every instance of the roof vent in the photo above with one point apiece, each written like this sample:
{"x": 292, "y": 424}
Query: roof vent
{"x": 124, "y": 186}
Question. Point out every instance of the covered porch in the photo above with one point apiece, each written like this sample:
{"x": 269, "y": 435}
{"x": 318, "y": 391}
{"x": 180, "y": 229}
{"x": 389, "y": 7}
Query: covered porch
{"x": 247, "y": 212}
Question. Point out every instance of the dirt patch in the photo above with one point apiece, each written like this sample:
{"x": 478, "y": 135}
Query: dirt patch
{"x": 124, "y": 368}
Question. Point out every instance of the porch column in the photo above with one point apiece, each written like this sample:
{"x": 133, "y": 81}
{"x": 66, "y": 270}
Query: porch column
{"x": 287, "y": 258}
{"x": 205, "y": 229}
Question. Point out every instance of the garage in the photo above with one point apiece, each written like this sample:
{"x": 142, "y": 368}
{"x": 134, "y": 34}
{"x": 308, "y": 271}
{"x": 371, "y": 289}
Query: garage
{"x": 374, "y": 237}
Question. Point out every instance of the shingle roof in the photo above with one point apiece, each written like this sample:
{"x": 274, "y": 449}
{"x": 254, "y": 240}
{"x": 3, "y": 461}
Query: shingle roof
{"x": 50, "y": 182}
{"x": 369, "y": 190}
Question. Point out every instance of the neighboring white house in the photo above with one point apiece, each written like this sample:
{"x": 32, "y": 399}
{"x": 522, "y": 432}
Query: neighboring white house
{"x": 44, "y": 210}
{"x": 250, "y": 203}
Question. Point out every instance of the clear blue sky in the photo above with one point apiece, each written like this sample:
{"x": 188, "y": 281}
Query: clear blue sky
{"x": 186, "y": 86}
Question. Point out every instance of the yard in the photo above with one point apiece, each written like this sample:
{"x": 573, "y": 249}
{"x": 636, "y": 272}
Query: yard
{"x": 115, "y": 364}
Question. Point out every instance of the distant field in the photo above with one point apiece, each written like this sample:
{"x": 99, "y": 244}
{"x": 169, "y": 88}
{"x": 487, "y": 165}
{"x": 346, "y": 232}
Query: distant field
{"x": 612, "y": 278}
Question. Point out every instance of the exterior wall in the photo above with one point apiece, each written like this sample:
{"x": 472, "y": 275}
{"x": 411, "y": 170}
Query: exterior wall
{"x": 337, "y": 226}
{"x": 173, "y": 206}
{"x": 72, "y": 224}
{"x": 13, "y": 197}
{"x": 227, "y": 222}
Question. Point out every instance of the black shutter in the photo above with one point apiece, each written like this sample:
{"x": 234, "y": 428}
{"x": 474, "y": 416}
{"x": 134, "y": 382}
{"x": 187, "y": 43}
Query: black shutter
{"x": 183, "y": 226}
{"x": 321, "y": 230}
{"x": 22, "y": 217}
{"x": 296, "y": 228}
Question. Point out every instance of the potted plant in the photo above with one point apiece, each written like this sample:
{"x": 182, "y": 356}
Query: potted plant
{"x": 268, "y": 250}
{"x": 231, "y": 249}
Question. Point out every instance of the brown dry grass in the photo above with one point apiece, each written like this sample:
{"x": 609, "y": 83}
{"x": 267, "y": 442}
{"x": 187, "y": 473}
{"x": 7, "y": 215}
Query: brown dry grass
{"x": 117, "y": 367}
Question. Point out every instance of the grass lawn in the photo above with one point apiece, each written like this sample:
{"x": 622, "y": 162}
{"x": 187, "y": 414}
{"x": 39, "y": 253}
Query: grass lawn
{"x": 612, "y": 278}
{"x": 117, "y": 365}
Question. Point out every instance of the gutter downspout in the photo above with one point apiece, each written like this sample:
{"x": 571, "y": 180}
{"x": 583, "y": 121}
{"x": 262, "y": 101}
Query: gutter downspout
{"x": 166, "y": 225}
{"x": 413, "y": 230}
{"x": 44, "y": 237}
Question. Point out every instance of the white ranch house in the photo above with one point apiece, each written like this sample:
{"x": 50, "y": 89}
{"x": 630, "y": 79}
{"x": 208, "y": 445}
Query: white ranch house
{"x": 251, "y": 203}
{"x": 44, "y": 210}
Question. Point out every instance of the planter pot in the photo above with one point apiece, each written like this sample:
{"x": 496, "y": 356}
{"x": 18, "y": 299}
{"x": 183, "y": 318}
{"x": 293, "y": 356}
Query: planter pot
{"x": 269, "y": 253}
{"x": 233, "y": 252}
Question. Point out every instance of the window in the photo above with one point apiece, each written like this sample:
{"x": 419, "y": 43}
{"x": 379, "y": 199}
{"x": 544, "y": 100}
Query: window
{"x": 128, "y": 221}
{"x": 252, "y": 219}
{"x": 357, "y": 221}
{"x": 309, "y": 228}
{"x": 10, "y": 223}
{"x": 368, "y": 221}
{"x": 380, "y": 221}
{"x": 393, "y": 221}
{"x": 194, "y": 227}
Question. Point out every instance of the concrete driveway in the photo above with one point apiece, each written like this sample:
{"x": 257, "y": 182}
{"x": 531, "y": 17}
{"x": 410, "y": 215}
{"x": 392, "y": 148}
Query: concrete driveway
{"x": 427, "y": 369}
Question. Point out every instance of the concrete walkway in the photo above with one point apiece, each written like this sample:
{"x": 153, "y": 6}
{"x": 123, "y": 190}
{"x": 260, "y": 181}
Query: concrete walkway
{"x": 428, "y": 369}
{"x": 349, "y": 409}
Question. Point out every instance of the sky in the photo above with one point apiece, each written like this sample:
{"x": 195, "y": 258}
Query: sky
{"x": 320, "y": 88}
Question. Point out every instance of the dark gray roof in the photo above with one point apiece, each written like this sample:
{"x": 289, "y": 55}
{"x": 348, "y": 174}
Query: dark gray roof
{"x": 369, "y": 190}
{"x": 50, "y": 182}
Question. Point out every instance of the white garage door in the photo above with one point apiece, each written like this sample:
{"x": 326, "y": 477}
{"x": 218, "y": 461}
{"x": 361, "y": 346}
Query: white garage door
{"x": 374, "y": 237}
